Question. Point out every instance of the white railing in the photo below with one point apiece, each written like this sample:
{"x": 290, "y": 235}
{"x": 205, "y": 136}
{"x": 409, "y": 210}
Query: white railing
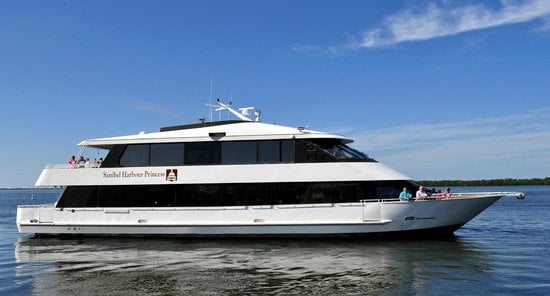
{"x": 72, "y": 166}
{"x": 50, "y": 205}
{"x": 518, "y": 195}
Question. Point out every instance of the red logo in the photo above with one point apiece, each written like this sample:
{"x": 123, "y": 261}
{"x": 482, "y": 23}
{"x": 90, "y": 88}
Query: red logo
{"x": 171, "y": 175}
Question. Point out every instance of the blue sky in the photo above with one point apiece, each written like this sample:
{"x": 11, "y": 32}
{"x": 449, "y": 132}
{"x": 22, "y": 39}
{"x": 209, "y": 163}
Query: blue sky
{"x": 436, "y": 89}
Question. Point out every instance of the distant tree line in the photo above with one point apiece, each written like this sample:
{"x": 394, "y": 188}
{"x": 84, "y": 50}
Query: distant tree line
{"x": 483, "y": 182}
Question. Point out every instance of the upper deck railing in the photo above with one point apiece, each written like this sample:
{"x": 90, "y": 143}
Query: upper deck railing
{"x": 72, "y": 166}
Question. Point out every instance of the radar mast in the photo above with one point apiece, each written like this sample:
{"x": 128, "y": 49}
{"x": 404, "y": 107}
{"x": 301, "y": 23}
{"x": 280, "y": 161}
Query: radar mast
{"x": 242, "y": 113}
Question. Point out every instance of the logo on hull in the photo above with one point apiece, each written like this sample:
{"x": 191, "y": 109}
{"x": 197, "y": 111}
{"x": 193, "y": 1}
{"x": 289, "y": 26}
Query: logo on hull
{"x": 172, "y": 175}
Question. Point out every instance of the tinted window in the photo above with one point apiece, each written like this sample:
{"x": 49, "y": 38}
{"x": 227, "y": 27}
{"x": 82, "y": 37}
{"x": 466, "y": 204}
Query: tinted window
{"x": 333, "y": 193}
{"x": 202, "y": 153}
{"x": 239, "y": 152}
{"x": 328, "y": 150}
{"x": 287, "y": 151}
{"x": 228, "y": 194}
{"x": 135, "y": 155}
{"x": 392, "y": 189}
{"x": 269, "y": 151}
{"x": 167, "y": 154}
{"x": 314, "y": 153}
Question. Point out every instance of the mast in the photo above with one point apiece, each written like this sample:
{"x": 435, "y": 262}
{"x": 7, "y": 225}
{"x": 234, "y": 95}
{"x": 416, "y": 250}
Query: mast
{"x": 242, "y": 115}
{"x": 210, "y": 101}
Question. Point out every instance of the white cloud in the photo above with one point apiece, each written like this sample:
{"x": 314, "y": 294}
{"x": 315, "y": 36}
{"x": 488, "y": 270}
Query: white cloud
{"x": 303, "y": 48}
{"x": 509, "y": 146}
{"x": 436, "y": 21}
{"x": 153, "y": 108}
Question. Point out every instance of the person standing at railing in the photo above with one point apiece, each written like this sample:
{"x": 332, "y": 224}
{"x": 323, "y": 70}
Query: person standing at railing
{"x": 421, "y": 193}
{"x": 447, "y": 192}
{"x": 405, "y": 195}
{"x": 72, "y": 162}
{"x": 97, "y": 162}
{"x": 81, "y": 162}
{"x": 438, "y": 195}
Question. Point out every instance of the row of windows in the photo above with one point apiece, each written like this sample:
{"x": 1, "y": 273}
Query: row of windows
{"x": 232, "y": 152}
{"x": 228, "y": 194}
{"x": 239, "y": 152}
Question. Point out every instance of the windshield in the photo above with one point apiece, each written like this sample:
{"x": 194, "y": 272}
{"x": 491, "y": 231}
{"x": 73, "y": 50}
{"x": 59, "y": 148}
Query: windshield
{"x": 341, "y": 151}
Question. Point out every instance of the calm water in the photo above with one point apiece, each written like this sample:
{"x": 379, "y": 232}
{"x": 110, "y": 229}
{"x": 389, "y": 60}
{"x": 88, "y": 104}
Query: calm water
{"x": 503, "y": 251}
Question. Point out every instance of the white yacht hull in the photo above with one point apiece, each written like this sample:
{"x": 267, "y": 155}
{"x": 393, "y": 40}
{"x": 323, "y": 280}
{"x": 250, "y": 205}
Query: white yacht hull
{"x": 368, "y": 217}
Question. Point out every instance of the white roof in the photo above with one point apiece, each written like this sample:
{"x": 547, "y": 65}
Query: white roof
{"x": 235, "y": 131}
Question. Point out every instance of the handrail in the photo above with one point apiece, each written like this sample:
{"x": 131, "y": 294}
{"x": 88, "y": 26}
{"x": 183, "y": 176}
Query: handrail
{"x": 518, "y": 195}
{"x": 48, "y": 205}
{"x": 72, "y": 166}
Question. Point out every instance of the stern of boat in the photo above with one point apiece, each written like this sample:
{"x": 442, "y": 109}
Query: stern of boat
{"x": 34, "y": 215}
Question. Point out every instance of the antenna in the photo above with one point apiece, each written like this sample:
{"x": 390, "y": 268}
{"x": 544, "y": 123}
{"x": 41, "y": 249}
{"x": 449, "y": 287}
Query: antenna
{"x": 210, "y": 101}
{"x": 230, "y": 104}
{"x": 244, "y": 112}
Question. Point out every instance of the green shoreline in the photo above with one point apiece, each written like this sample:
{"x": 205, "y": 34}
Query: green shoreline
{"x": 484, "y": 182}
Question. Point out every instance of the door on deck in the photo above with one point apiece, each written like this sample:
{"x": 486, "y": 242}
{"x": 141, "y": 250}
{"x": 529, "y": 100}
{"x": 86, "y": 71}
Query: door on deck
{"x": 45, "y": 215}
{"x": 371, "y": 210}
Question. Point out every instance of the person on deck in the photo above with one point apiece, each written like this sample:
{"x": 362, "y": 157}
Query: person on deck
{"x": 405, "y": 195}
{"x": 81, "y": 162}
{"x": 421, "y": 193}
{"x": 447, "y": 193}
{"x": 72, "y": 162}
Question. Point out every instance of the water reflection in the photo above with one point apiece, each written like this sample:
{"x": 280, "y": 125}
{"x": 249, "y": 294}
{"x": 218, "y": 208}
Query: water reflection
{"x": 176, "y": 266}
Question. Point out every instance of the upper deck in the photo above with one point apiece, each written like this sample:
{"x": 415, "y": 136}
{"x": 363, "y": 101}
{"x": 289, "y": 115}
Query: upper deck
{"x": 63, "y": 175}
{"x": 224, "y": 131}
{"x": 223, "y": 152}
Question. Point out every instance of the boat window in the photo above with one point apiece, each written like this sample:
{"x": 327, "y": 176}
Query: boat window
{"x": 239, "y": 152}
{"x": 330, "y": 150}
{"x": 205, "y": 195}
{"x": 314, "y": 153}
{"x": 135, "y": 155}
{"x": 333, "y": 193}
{"x": 167, "y": 154}
{"x": 392, "y": 189}
{"x": 113, "y": 157}
{"x": 235, "y": 152}
{"x": 202, "y": 153}
{"x": 287, "y": 151}
{"x": 339, "y": 150}
{"x": 78, "y": 197}
{"x": 342, "y": 151}
{"x": 229, "y": 194}
{"x": 388, "y": 191}
{"x": 269, "y": 151}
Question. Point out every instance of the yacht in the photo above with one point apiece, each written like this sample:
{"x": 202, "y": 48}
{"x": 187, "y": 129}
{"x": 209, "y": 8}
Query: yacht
{"x": 239, "y": 178}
